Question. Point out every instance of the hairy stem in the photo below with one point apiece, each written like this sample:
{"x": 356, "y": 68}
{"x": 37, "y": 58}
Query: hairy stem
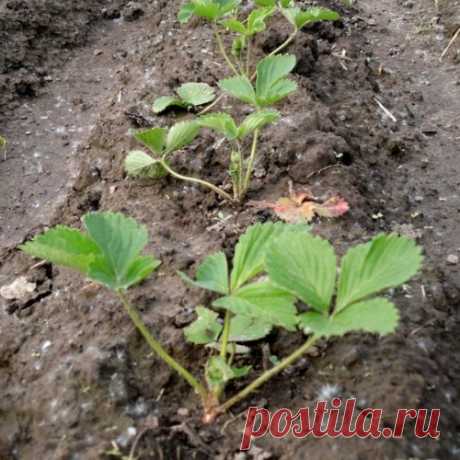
{"x": 266, "y": 376}
{"x": 220, "y": 43}
{"x": 250, "y": 165}
{"x": 195, "y": 180}
{"x": 225, "y": 334}
{"x": 210, "y": 106}
{"x": 279, "y": 49}
{"x": 158, "y": 348}
{"x": 248, "y": 58}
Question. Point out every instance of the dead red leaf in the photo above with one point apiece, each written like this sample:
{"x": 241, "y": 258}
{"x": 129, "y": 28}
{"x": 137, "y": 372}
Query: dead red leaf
{"x": 301, "y": 207}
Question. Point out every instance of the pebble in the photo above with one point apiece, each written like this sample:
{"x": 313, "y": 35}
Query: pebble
{"x": 452, "y": 259}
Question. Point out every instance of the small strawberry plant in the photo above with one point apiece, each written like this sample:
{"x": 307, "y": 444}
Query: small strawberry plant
{"x": 271, "y": 86}
{"x": 275, "y": 266}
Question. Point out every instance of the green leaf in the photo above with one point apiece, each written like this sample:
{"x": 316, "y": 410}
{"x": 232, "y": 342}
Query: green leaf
{"x": 221, "y": 123}
{"x": 272, "y": 69}
{"x": 376, "y": 316}
{"x": 305, "y": 266}
{"x": 240, "y": 88}
{"x": 265, "y": 3}
{"x": 153, "y": 138}
{"x": 386, "y": 262}
{"x": 279, "y": 91}
{"x": 212, "y": 274}
{"x": 214, "y": 9}
{"x": 164, "y": 102}
{"x": 257, "y": 120}
{"x": 316, "y": 14}
{"x": 238, "y": 44}
{"x": 249, "y": 258}
{"x": 139, "y": 164}
{"x": 262, "y": 300}
{"x": 120, "y": 240}
{"x": 186, "y": 12}
{"x": 205, "y": 329}
{"x": 64, "y": 246}
{"x": 300, "y": 18}
{"x": 218, "y": 372}
{"x": 2, "y": 142}
{"x": 286, "y": 3}
{"x": 181, "y": 134}
{"x": 234, "y": 25}
{"x": 271, "y": 86}
{"x": 196, "y": 93}
{"x": 247, "y": 329}
{"x": 256, "y": 20}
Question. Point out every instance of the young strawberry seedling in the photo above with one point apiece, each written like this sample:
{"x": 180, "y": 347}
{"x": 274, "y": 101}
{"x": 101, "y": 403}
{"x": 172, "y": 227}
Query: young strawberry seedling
{"x": 299, "y": 267}
{"x": 271, "y": 86}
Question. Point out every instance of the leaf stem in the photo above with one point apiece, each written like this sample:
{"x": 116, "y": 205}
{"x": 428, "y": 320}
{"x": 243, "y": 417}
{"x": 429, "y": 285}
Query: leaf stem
{"x": 158, "y": 348}
{"x": 267, "y": 375}
{"x": 250, "y": 164}
{"x": 210, "y": 106}
{"x": 195, "y": 180}
{"x": 280, "y": 48}
{"x": 248, "y": 57}
{"x": 225, "y": 334}
{"x": 220, "y": 43}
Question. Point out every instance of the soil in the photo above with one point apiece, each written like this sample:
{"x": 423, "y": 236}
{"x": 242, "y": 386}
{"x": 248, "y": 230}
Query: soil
{"x": 75, "y": 79}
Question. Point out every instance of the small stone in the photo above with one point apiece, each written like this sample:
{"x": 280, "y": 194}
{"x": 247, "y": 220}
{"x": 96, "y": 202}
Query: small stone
{"x": 452, "y": 259}
{"x": 97, "y": 52}
{"x": 183, "y": 412}
{"x": 18, "y": 289}
{"x": 313, "y": 352}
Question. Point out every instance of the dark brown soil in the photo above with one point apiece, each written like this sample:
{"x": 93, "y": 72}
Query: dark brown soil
{"x": 74, "y": 374}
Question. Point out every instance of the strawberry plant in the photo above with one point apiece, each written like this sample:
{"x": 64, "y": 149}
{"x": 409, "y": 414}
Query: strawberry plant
{"x": 274, "y": 267}
{"x": 271, "y": 86}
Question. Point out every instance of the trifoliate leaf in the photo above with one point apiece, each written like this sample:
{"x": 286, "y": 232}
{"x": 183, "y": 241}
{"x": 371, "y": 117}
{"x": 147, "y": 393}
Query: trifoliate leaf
{"x": 257, "y": 120}
{"x": 262, "y": 300}
{"x": 153, "y": 138}
{"x": 249, "y": 258}
{"x": 120, "y": 240}
{"x": 377, "y": 316}
{"x": 164, "y": 102}
{"x": 181, "y": 134}
{"x": 64, "y": 246}
{"x": 218, "y": 372}
{"x": 247, "y": 329}
{"x": 386, "y": 262}
{"x": 186, "y": 12}
{"x": 205, "y": 329}
{"x": 196, "y": 93}
{"x": 221, "y": 123}
{"x": 305, "y": 266}
{"x": 139, "y": 164}
{"x": 239, "y": 87}
{"x": 212, "y": 274}
{"x": 271, "y": 85}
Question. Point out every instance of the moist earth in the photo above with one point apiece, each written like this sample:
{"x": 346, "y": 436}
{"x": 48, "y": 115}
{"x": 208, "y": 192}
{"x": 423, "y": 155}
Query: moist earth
{"x": 76, "y": 79}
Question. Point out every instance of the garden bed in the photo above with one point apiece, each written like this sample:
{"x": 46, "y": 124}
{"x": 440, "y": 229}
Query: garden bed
{"x": 75, "y": 374}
